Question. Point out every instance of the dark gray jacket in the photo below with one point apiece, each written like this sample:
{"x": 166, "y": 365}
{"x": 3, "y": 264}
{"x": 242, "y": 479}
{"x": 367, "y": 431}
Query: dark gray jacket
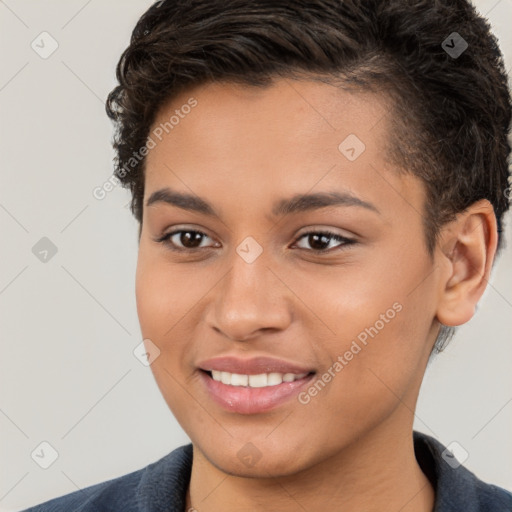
{"x": 162, "y": 486}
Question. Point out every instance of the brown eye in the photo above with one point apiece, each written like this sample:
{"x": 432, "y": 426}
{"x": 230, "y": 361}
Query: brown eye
{"x": 320, "y": 241}
{"x": 185, "y": 239}
{"x": 190, "y": 239}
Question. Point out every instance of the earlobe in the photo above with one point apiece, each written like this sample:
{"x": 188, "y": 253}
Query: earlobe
{"x": 466, "y": 250}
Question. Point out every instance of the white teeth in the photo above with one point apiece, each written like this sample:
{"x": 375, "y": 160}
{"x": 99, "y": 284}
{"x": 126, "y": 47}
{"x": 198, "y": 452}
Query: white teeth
{"x": 274, "y": 379}
{"x": 258, "y": 381}
{"x": 239, "y": 380}
{"x": 255, "y": 381}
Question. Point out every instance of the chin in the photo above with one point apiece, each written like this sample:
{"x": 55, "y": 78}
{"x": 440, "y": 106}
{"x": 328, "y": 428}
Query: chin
{"x": 275, "y": 466}
{"x": 259, "y": 458}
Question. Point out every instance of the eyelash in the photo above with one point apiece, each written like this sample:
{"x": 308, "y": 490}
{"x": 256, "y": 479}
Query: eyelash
{"x": 166, "y": 240}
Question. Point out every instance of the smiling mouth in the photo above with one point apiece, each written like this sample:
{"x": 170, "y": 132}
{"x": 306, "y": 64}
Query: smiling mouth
{"x": 260, "y": 380}
{"x": 253, "y": 393}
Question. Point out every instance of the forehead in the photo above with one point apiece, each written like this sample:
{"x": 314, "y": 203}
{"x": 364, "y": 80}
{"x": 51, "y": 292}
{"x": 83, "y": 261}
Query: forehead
{"x": 278, "y": 140}
{"x": 304, "y": 114}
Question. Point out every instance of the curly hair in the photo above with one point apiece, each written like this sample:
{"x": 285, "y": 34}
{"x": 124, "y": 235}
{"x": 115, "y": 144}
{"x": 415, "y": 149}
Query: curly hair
{"x": 451, "y": 112}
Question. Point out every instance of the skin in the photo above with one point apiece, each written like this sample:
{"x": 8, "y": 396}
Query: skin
{"x": 242, "y": 149}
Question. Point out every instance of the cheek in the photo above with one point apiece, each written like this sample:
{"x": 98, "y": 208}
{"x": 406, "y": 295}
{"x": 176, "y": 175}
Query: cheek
{"x": 168, "y": 298}
{"x": 153, "y": 306}
{"x": 164, "y": 294}
{"x": 379, "y": 317}
{"x": 374, "y": 370}
{"x": 163, "y": 300}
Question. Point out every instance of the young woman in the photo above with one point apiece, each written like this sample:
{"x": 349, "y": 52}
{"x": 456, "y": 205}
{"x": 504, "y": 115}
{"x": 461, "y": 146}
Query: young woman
{"x": 320, "y": 187}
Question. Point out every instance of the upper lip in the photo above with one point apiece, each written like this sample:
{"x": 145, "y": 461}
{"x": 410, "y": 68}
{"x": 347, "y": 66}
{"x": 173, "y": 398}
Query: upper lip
{"x": 252, "y": 366}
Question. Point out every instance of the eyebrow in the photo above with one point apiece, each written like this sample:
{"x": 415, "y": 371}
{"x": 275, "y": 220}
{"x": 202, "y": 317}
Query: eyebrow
{"x": 296, "y": 204}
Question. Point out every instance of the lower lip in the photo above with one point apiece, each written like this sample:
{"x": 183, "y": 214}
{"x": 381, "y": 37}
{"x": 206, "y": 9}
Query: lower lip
{"x": 247, "y": 400}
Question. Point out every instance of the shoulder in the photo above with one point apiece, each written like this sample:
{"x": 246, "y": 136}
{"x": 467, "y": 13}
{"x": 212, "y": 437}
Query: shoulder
{"x": 455, "y": 486}
{"x": 135, "y": 491}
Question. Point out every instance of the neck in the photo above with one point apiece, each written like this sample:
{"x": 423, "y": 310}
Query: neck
{"x": 377, "y": 472}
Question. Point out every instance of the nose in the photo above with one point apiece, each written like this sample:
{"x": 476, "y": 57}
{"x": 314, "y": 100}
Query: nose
{"x": 249, "y": 300}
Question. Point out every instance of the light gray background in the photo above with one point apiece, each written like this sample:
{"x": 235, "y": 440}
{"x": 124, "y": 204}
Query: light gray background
{"x": 68, "y": 375}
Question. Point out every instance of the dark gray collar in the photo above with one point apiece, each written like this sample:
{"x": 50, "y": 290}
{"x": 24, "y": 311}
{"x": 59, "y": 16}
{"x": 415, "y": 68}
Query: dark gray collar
{"x": 457, "y": 489}
{"x": 163, "y": 485}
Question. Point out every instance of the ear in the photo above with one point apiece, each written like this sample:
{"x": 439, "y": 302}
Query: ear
{"x": 465, "y": 252}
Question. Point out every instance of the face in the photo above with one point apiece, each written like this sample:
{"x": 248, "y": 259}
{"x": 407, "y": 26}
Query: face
{"x": 273, "y": 242}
